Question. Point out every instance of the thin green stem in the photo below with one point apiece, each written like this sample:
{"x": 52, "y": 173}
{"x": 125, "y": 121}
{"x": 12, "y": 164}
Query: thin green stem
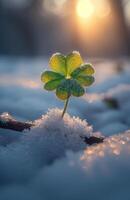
{"x": 65, "y": 106}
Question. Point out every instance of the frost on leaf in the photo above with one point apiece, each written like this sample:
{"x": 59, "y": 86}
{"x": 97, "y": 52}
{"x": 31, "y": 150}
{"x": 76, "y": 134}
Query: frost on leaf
{"x": 69, "y": 75}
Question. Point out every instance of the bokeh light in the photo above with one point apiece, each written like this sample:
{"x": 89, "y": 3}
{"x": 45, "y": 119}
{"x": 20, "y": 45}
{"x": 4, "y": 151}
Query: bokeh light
{"x": 103, "y": 8}
{"x": 85, "y": 8}
{"x": 127, "y": 10}
{"x": 93, "y": 8}
{"x": 54, "y": 6}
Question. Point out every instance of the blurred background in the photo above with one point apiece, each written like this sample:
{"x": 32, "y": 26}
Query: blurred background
{"x": 97, "y": 28}
{"x": 32, "y": 30}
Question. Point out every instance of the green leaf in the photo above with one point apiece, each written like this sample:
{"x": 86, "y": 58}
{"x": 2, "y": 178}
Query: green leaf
{"x": 69, "y": 87}
{"x": 85, "y": 69}
{"x": 73, "y": 61}
{"x": 52, "y": 85}
{"x": 68, "y": 75}
{"x": 64, "y": 90}
{"x": 85, "y": 80}
{"x": 58, "y": 63}
{"x": 76, "y": 89}
{"x": 49, "y": 76}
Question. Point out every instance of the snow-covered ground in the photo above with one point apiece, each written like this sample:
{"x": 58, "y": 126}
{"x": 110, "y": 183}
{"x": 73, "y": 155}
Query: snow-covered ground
{"x": 52, "y": 161}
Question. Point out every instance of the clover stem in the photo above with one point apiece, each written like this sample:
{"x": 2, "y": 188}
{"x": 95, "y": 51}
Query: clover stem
{"x": 65, "y": 106}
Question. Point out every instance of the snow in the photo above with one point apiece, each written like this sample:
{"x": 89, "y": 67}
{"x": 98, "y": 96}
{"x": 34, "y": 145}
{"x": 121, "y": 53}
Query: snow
{"x": 112, "y": 82}
{"x": 100, "y": 171}
{"x": 113, "y": 127}
{"x": 51, "y": 161}
{"x": 48, "y": 140}
{"x": 92, "y": 174}
{"x": 55, "y": 135}
{"x": 5, "y": 116}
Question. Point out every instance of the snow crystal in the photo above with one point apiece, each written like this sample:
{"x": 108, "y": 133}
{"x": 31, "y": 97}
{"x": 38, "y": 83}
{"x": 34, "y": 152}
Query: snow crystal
{"x": 52, "y": 135}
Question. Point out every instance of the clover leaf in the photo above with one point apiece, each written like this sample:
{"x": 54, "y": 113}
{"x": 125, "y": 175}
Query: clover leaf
{"x": 68, "y": 77}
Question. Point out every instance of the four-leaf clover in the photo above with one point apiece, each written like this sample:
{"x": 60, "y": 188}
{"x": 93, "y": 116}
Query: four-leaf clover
{"x": 68, "y": 77}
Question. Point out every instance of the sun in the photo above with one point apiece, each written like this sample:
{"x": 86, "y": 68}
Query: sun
{"x": 85, "y": 8}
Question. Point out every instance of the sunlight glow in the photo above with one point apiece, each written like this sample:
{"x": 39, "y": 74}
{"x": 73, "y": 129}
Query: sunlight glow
{"x": 103, "y": 8}
{"x": 93, "y": 8}
{"x": 85, "y": 8}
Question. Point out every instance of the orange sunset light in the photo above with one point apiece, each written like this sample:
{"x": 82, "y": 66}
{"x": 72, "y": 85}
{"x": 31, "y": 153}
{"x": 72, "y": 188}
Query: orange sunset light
{"x": 86, "y": 9}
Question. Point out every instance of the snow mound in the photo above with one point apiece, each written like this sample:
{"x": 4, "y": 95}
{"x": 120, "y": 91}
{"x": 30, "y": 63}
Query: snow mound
{"x": 55, "y": 135}
{"x": 43, "y": 144}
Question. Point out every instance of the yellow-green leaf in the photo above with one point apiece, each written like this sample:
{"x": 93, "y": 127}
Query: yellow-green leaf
{"x": 85, "y": 69}
{"x": 85, "y": 80}
{"x": 49, "y": 76}
{"x": 73, "y": 61}
{"x": 52, "y": 85}
{"x": 58, "y": 63}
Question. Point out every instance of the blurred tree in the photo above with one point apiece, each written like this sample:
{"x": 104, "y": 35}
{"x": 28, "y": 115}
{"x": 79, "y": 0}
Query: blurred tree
{"x": 16, "y": 37}
{"x": 123, "y": 26}
{"x": 74, "y": 28}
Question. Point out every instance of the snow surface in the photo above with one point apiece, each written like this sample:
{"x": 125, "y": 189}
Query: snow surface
{"x": 28, "y": 171}
{"x": 52, "y": 161}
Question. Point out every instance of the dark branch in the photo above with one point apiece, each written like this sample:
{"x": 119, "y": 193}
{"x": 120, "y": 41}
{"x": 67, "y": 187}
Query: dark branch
{"x": 93, "y": 140}
{"x": 8, "y": 122}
